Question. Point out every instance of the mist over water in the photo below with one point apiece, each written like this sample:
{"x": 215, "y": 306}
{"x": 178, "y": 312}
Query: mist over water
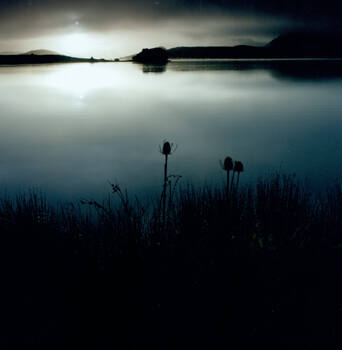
{"x": 68, "y": 129}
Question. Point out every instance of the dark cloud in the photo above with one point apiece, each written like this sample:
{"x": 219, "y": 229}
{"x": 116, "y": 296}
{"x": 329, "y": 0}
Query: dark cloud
{"x": 195, "y": 21}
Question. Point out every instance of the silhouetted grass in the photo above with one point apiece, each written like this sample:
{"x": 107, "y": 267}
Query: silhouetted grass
{"x": 262, "y": 268}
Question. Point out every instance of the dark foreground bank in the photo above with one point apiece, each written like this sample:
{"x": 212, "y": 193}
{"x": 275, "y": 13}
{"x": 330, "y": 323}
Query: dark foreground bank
{"x": 44, "y": 59}
{"x": 259, "y": 269}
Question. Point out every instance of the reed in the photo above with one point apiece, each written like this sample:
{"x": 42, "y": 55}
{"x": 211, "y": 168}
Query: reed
{"x": 104, "y": 270}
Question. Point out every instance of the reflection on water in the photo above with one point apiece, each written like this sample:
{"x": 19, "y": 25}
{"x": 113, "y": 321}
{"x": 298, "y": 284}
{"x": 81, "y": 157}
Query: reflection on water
{"x": 313, "y": 69}
{"x": 70, "y": 128}
{"x": 154, "y": 68}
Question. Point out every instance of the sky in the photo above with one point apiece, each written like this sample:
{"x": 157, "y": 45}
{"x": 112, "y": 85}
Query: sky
{"x": 113, "y": 28}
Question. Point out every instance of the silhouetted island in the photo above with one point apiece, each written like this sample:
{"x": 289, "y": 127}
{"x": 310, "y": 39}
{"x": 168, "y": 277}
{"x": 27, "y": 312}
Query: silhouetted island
{"x": 156, "y": 55}
{"x": 291, "y": 45}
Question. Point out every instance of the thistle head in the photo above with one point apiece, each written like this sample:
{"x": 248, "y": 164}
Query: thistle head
{"x": 238, "y": 167}
{"x": 167, "y": 149}
{"x": 228, "y": 164}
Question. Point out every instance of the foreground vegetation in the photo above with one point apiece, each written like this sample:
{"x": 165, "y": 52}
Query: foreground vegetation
{"x": 199, "y": 270}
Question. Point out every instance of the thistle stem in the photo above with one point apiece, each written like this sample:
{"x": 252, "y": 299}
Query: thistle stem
{"x": 237, "y": 183}
{"x": 232, "y": 185}
{"x": 164, "y": 188}
{"x": 227, "y": 184}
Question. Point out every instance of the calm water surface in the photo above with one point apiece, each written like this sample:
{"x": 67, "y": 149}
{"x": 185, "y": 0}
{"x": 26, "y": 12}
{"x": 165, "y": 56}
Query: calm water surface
{"x": 70, "y": 128}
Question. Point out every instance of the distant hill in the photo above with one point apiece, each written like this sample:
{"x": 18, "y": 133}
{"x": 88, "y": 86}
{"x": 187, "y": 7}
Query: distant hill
{"x": 291, "y": 45}
{"x": 307, "y": 44}
{"x": 241, "y": 51}
{"x": 40, "y": 52}
{"x": 32, "y": 52}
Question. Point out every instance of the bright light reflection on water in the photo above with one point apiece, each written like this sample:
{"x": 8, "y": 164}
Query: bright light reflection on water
{"x": 70, "y": 128}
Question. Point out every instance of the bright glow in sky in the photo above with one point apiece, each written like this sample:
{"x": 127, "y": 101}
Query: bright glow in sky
{"x": 79, "y": 44}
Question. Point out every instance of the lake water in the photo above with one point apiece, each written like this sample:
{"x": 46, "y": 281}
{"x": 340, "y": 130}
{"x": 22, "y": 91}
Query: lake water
{"x": 68, "y": 129}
